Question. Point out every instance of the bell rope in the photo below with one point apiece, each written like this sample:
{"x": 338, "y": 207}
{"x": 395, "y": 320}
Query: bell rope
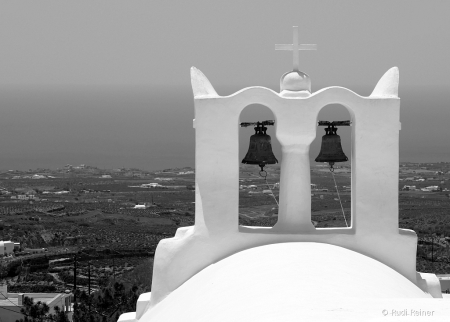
{"x": 337, "y": 190}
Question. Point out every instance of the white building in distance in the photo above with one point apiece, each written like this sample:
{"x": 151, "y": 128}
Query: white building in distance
{"x": 11, "y": 303}
{"x": 6, "y": 248}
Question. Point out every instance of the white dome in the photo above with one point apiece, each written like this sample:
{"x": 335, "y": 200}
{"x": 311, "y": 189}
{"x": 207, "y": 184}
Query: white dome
{"x": 283, "y": 282}
{"x": 295, "y": 81}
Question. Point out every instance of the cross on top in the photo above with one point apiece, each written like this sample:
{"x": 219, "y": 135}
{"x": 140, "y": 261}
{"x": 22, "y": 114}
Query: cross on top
{"x": 295, "y": 47}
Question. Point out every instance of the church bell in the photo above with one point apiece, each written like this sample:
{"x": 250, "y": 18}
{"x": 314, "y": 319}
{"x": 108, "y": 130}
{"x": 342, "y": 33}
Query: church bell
{"x": 260, "y": 149}
{"x": 331, "y": 149}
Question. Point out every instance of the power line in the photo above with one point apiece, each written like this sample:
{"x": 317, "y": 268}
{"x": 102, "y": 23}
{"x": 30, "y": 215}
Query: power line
{"x": 6, "y": 297}
{"x": 4, "y": 308}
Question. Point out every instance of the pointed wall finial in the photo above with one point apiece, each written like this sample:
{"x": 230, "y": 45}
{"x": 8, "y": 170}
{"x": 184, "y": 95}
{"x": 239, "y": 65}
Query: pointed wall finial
{"x": 387, "y": 86}
{"x": 200, "y": 84}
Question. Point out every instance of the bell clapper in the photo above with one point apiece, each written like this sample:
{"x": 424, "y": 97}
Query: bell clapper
{"x": 263, "y": 173}
{"x": 331, "y": 166}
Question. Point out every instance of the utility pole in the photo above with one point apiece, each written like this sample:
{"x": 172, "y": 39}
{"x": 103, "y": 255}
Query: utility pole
{"x": 89, "y": 286}
{"x": 89, "y": 277}
{"x": 432, "y": 250}
{"x": 114, "y": 269}
{"x": 75, "y": 279}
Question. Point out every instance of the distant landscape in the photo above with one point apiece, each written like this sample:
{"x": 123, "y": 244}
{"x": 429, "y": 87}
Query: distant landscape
{"x": 111, "y": 220}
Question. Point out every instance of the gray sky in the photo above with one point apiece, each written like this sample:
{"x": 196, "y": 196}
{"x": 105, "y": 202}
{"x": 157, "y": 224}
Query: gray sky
{"x": 119, "y": 70}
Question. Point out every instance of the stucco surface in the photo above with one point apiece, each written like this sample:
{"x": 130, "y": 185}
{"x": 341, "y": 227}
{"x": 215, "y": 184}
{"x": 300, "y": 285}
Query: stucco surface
{"x": 289, "y": 282}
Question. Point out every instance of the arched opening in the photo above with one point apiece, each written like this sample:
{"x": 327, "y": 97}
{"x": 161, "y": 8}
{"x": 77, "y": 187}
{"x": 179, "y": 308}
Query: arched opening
{"x": 258, "y": 196}
{"x": 331, "y": 191}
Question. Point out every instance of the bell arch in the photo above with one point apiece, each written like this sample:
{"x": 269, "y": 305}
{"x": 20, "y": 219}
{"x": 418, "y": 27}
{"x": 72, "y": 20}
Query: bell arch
{"x": 330, "y": 202}
{"x": 258, "y": 196}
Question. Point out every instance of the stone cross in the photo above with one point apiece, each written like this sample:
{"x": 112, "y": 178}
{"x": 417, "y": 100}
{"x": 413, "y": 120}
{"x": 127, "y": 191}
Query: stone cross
{"x": 295, "y": 47}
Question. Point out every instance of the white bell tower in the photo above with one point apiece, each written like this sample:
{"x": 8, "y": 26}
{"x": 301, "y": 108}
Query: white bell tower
{"x": 216, "y": 235}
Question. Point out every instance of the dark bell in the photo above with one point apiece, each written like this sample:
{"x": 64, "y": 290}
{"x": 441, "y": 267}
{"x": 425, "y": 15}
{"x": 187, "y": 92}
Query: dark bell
{"x": 331, "y": 149}
{"x": 260, "y": 149}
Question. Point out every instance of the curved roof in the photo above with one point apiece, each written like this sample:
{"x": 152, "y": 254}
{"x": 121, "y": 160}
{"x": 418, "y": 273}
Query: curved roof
{"x": 283, "y": 282}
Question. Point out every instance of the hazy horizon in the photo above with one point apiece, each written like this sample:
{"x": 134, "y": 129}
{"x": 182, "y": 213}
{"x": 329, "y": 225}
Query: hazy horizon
{"x": 107, "y": 83}
{"x": 135, "y": 127}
